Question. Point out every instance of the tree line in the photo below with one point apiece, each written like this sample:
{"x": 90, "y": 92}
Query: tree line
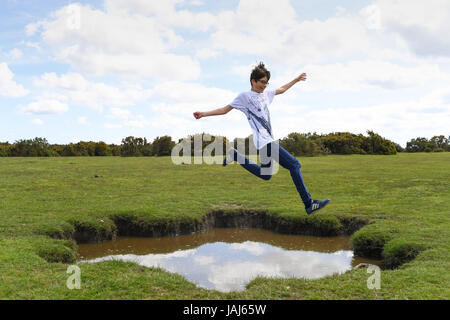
{"x": 435, "y": 144}
{"x": 298, "y": 144}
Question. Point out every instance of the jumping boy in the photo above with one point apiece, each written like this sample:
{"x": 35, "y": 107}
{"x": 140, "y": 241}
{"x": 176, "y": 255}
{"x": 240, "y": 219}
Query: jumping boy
{"x": 254, "y": 104}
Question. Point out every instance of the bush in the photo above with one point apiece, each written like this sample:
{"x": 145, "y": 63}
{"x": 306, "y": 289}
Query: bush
{"x": 375, "y": 144}
{"x": 302, "y": 145}
{"x": 38, "y": 147}
{"x": 370, "y": 243}
{"x": 135, "y": 147}
{"x": 399, "y": 251}
{"x": 162, "y": 146}
{"x": 56, "y": 251}
{"x": 344, "y": 143}
{"x": 349, "y": 143}
{"x": 435, "y": 144}
{"x": 115, "y": 150}
{"x": 4, "y": 149}
{"x": 102, "y": 149}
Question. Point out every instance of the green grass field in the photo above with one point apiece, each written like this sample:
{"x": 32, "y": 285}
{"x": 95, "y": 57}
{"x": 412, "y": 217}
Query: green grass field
{"x": 406, "y": 199}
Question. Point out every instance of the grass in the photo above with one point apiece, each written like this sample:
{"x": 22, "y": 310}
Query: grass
{"x": 46, "y": 203}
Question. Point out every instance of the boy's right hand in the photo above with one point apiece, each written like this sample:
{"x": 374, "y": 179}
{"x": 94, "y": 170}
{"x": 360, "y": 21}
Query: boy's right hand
{"x": 198, "y": 115}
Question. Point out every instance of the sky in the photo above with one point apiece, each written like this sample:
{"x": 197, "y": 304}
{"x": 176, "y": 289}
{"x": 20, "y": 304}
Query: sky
{"x": 102, "y": 70}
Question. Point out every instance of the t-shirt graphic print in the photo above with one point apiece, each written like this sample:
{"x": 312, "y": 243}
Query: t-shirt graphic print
{"x": 255, "y": 106}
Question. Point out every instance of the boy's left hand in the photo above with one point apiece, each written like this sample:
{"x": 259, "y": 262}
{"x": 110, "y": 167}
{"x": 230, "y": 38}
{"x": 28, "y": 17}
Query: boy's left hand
{"x": 301, "y": 77}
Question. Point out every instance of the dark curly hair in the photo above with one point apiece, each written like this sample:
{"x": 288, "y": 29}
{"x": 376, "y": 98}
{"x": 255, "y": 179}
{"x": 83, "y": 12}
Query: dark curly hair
{"x": 259, "y": 72}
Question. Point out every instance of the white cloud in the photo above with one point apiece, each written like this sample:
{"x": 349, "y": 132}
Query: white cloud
{"x": 372, "y": 17}
{"x": 253, "y": 26}
{"x": 423, "y": 26}
{"x": 113, "y": 126}
{"x": 384, "y": 29}
{"x": 71, "y": 81}
{"x": 15, "y": 53}
{"x": 399, "y": 122}
{"x": 340, "y": 11}
{"x": 356, "y": 76}
{"x": 95, "y": 95}
{"x": 43, "y": 106}
{"x": 179, "y": 100}
{"x": 118, "y": 113}
{"x": 263, "y": 29}
{"x": 38, "y": 122}
{"x": 253, "y": 248}
{"x": 206, "y": 53}
{"x": 231, "y": 125}
{"x": 34, "y": 45}
{"x": 138, "y": 122}
{"x": 114, "y": 42}
{"x": 143, "y": 6}
{"x": 196, "y": 3}
{"x": 192, "y": 93}
{"x": 165, "y": 13}
{"x": 204, "y": 260}
{"x": 222, "y": 270}
{"x": 8, "y": 87}
{"x": 32, "y": 28}
{"x": 243, "y": 71}
{"x": 275, "y": 263}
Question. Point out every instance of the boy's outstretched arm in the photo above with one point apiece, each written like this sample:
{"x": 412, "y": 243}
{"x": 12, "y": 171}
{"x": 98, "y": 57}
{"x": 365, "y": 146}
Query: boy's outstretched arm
{"x": 283, "y": 89}
{"x": 217, "y": 112}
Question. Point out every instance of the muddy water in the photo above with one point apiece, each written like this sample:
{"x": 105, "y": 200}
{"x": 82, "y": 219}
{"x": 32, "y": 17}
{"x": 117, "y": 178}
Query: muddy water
{"x": 227, "y": 259}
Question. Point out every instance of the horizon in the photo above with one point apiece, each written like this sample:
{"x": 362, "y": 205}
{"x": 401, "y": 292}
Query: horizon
{"x": 204, "y": 133}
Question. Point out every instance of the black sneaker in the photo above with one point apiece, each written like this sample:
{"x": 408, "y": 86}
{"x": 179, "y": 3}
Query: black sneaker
{"x": 316, "y": 205}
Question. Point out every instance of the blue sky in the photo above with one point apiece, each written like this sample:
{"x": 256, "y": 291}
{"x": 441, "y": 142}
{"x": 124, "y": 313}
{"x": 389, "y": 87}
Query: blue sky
{"x": 106, "y": 69}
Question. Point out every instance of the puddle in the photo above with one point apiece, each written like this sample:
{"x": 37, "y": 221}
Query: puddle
{"x": 228, "y": 259}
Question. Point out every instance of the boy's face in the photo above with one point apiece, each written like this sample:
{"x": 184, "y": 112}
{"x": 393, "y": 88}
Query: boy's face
{"x": 260, "y": 85}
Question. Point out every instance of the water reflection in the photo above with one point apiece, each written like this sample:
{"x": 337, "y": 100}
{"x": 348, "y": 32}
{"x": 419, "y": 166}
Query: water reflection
{"x": 230, "y": 266}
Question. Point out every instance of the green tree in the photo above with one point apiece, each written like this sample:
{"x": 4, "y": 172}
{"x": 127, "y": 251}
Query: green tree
{"x": 102, "y": 149}
{"x": 162, "y": 146}
{"x": 135, "y": 147}
{"x": 344, "y": 143}
{"x": 375, "y": 144}
{"x": 115, "y": 150}
{"x": 302, "y": 145}
{"x": 440, "y": 143}
{"x": 5, "y": 149}
{"x": 417, "y": 145}
{"x": 38, "y": 147}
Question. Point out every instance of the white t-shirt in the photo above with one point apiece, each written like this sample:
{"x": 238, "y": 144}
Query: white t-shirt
{"x": 255, "y": 106}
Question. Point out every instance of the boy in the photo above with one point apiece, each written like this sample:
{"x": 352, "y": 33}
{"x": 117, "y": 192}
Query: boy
{"x": 254, "y": 105}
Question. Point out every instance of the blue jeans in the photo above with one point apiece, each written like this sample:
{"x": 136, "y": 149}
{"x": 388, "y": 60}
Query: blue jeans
{"x": 285, "y": 159}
